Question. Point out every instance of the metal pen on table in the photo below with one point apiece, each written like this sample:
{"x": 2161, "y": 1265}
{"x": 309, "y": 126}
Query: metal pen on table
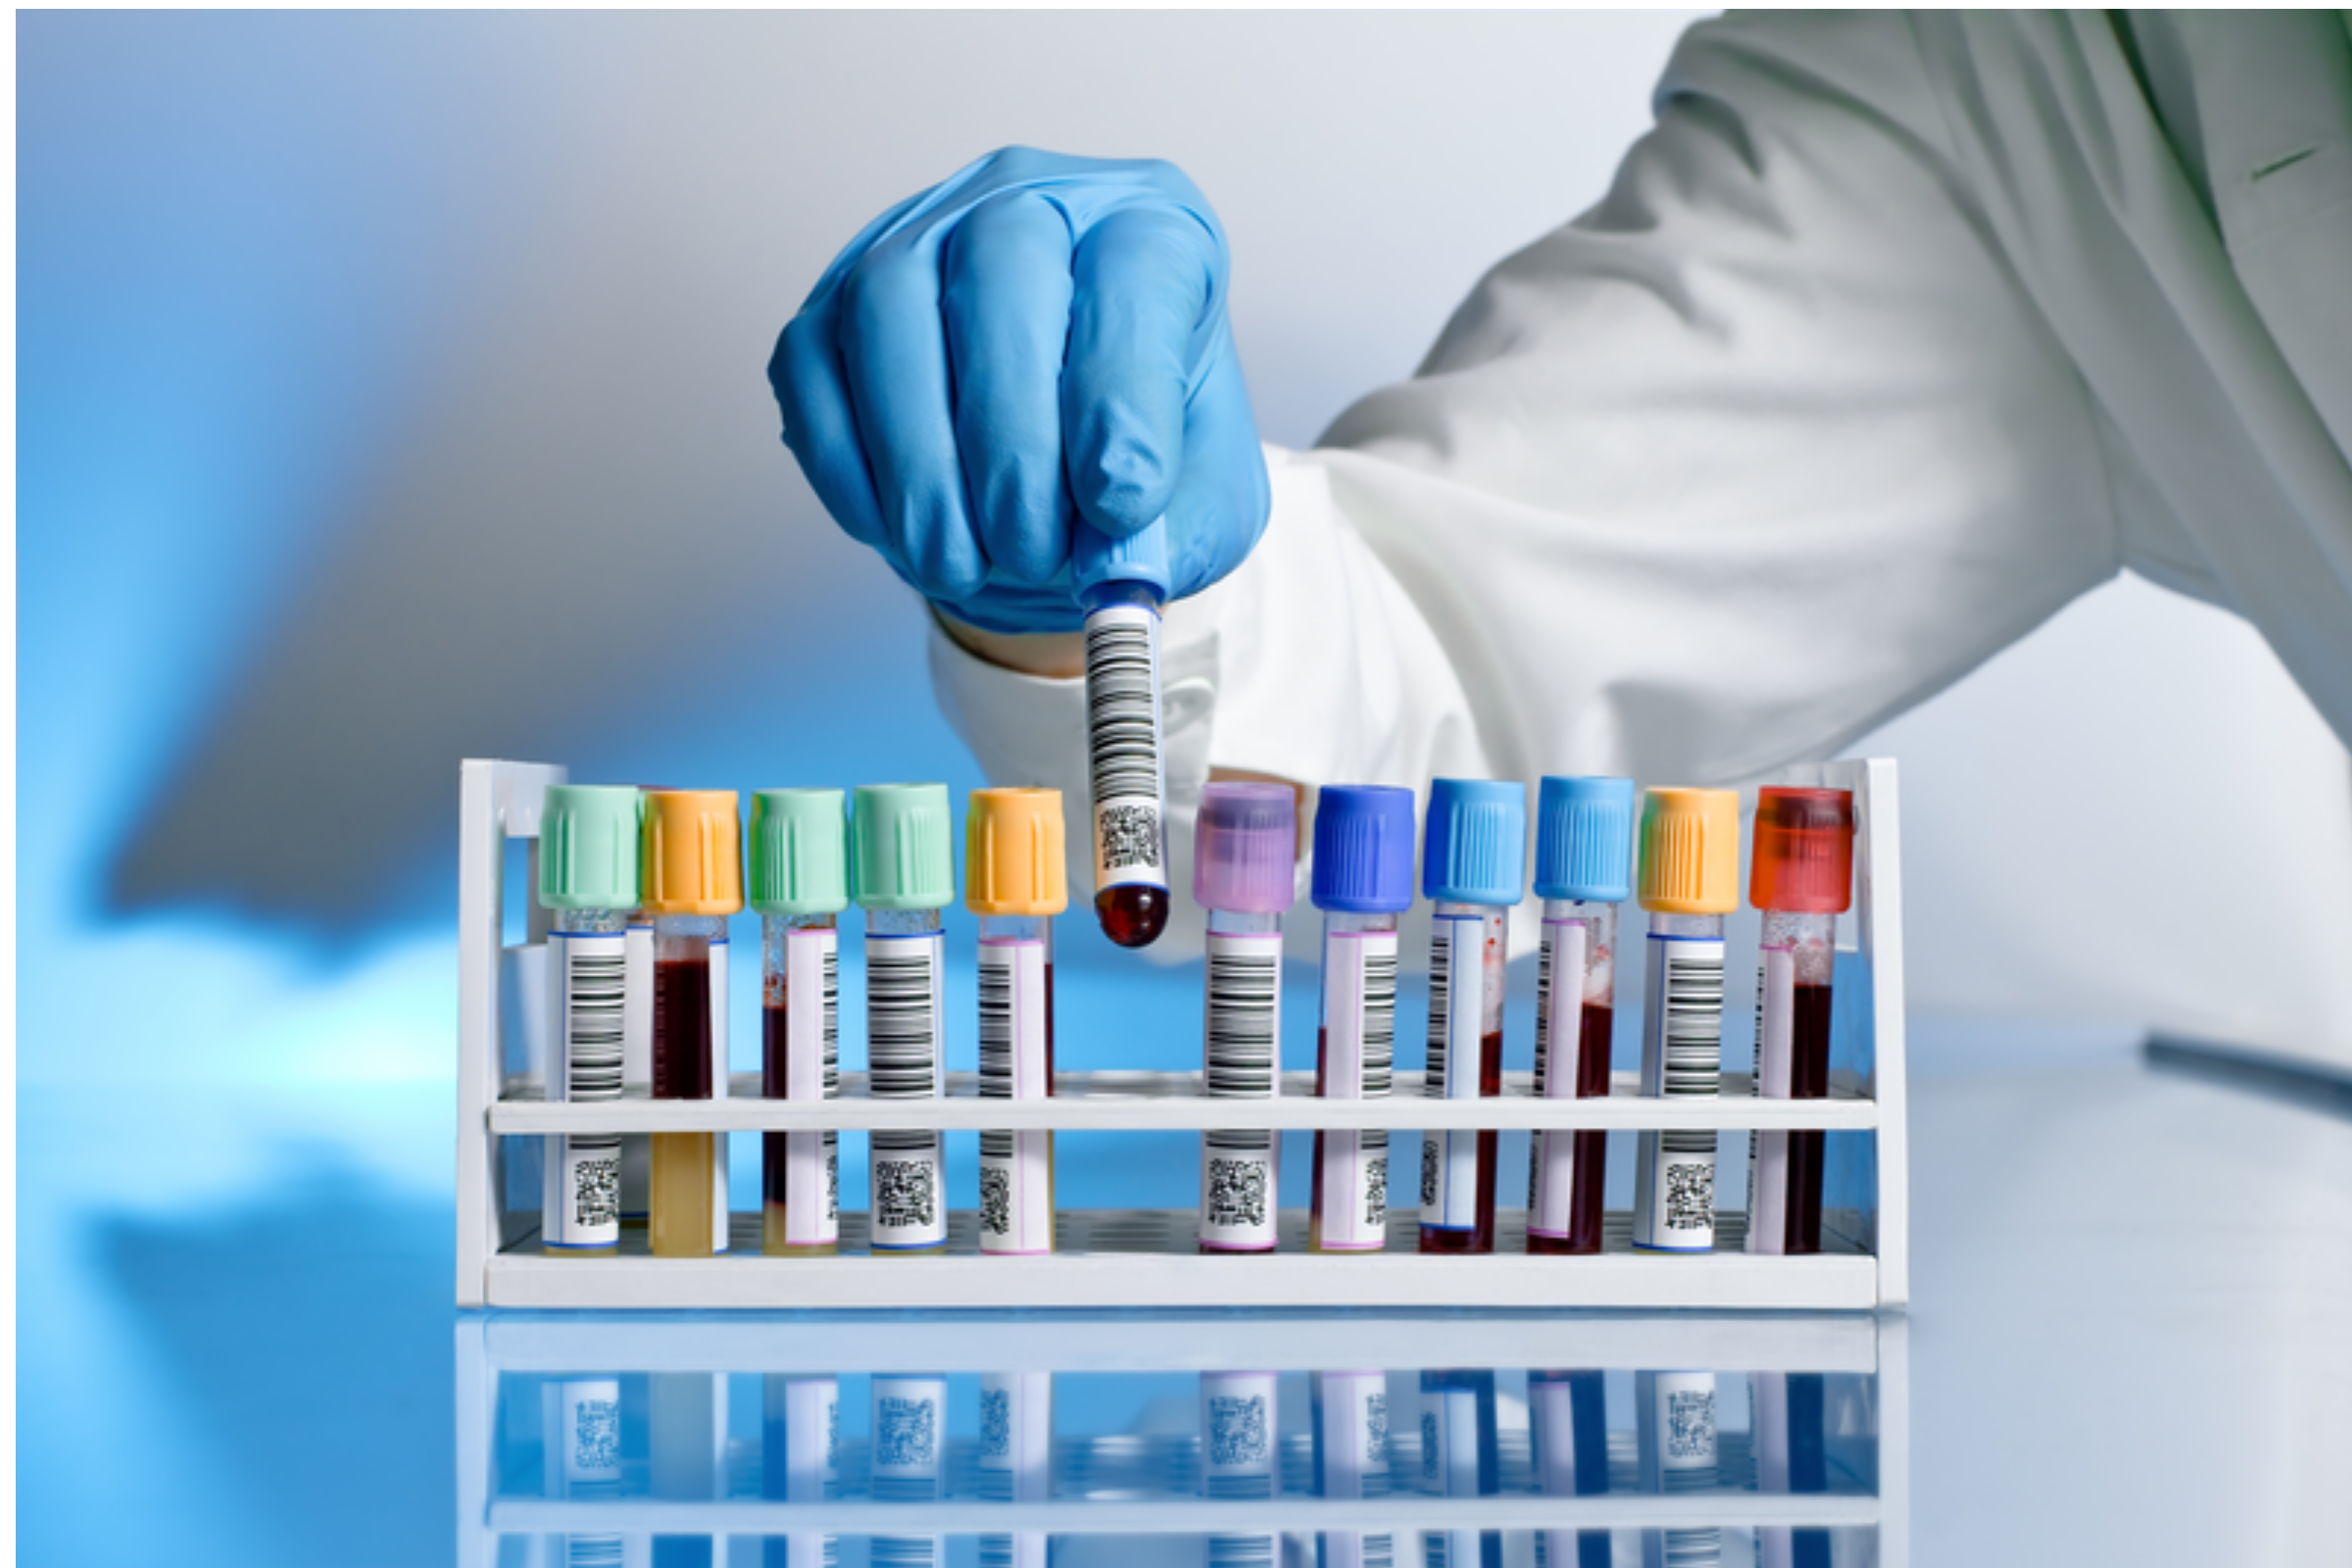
{"x": 1363, "y": 880}
{"x": 693, "y": 880}
{"x": 588, "y": 877}
{"x": 1801, "y": 877}
{"x": 800, "y": 885}
{"x": 1473, "y": 870}
{"x": 1583, "y": 870}
{"x": 902, "y": 839}
{"x": 1122, "y": 583}
{"x": 1690, "y": 880}
{"x": 1015, "y": 881}
{"x": 1245, "y": 874}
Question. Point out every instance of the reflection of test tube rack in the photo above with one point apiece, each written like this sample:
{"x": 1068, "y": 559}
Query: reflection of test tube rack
{"x": 1352, "y": 1461}
{"x": 801, "y": 1462}
{"x": 909, "y": 1439}
{"x": 1240, "y": 1459}
{"x": 1125, "y": 1257}
{"x": 1016, "y": 1458}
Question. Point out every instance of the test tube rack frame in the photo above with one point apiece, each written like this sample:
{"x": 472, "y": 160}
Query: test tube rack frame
{"x": 1148, "y": 1258}
{"x": 492, "y": 1349}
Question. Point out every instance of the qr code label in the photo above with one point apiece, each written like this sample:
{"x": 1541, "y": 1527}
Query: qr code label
{"x": 1376, "y": 1190}
{"x": 905, "y": 1433}
{"x": 596, "y": 1435}
{"x": 1128, "y": 836}
{"x": 1237, "y": 1430}
{"x": 1690, "y": 1198}
{"x": 1428, "y": 1173}
{"x": 996, "y": 1200}
{"x": 1376, "y": 1428}
{"x": 996, "y": 1424}
{"x": 1691, "y": 1424}
{"x": 1237, "y": 1192}
{"x": 596, "y": 1193}
{"x": 906, "y": 1192}
{"x": 832, "y": 1180}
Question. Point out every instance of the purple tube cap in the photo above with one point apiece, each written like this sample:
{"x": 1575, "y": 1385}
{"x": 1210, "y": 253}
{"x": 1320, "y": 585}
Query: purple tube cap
{"x": 1245, "y": 849}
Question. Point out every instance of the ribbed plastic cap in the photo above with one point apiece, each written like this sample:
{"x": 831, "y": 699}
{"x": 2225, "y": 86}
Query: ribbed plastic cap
{"x": 588, "y": 846}
{"x": 1245, "y": 849}
{"x": 1364, "y": 849}
{"x": 1803, "y": 861}
{"x": 1095, "y": 558}
{"x": 692, "y": 853}
{"x": 1690, "y": 851}
{"x": 800, "y": 852}
{"x": 1474, "y": 845}
{"x": 903, "y": 853}
{"x": 1012, "y": 855}
{"x": 1584, "y": 839}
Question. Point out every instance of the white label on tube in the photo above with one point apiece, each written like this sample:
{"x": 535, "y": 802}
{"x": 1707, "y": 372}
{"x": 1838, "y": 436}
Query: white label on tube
{"x": 1016, "y": 1436}
{"x": 1351, "y": 1411}
{"x": 584, "y": 1423}
{"x": 905, "y": 1006}
{"x": 1776, "y": 1059}
{"x": 811, "y": 1071}
{"x": 1359, "y": 1047}
{"x": 1016, "y": 1168}
{"x": 803, "y": 1421}
{"x": 580, "y": 1204}
{"x": 1559, "y": 1033}
{"x": 1241, "y": 1050}
{"x": 1457, "y": 1013}
{"x": 1681, "y": 1057}
{"x": 1551, "y": 1418}
{"x": 909, "y": 1434}
{"x": 1124, "y": 774}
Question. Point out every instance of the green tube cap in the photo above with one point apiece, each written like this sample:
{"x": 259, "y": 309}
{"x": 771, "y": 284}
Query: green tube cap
{"x": 902, "y": 847}
{"x": 588, "y": 846}
{"x": 799, "y": 852}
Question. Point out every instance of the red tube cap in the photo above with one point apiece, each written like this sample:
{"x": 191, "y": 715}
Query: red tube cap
{"x": 1804, "y": 852}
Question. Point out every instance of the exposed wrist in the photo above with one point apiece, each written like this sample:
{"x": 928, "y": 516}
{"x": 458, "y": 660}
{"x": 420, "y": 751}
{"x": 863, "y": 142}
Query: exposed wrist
{"x": 1053, "y": 656}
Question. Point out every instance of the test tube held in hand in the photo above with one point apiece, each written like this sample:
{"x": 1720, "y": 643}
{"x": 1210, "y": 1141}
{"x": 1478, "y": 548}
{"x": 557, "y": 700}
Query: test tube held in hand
{"x": 588, "y": 878}
{"x": 1245, "y": 874}
{"x": 1583, "y": 870}
{"x": 902, "y": 845}
{"x": 1122, "y": 584}
{"x": 693, "y": 880}
{"x": 1473, "y": 870}
{"x": 1800, "y": 878}
{"x": 1014, "y": 880}
{"x": 800, "y": 885}
{"x": 1690, "y": 880}
{"x": 1363, "y": 881}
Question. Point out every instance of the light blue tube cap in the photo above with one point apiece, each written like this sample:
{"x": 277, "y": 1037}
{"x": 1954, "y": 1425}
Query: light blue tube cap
{"x": 1474, "y": 849}
{"x": 1584, "y": 840}
{"x": 1095, "y": 558}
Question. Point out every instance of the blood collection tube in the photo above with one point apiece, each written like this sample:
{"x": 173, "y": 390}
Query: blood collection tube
{"x": 1473, "y": 870}
{"x": 909, "y": 1454}
{"x": 1676, "y": 1450}
{"x": 1788, "y": 1431}
{"x": 1122, "y": 584}
{"x": 1016, "y": 1458}
{"x": 1690, "y": 880}
{"x": 1351, "y": 1455}
{"x": 902, "y": 845}
{"x": 800, "y": 885}
{"x": 1568, "y": 1422}
{"x": 1583, "y": 870}
{"x": 1461, "y": 1457}
{"x": 692, "y": 881}
{"x": 1245, "y": 874}
{"x": 588, "y": 878}
{"x": 637, "y": 1061}
{"x": 1241, "y": 1458}
{"x": 1801, "y": 877}
{"x": 1015, "y": 881}
{"x": 799, "y": 1461}
{"x": 1363, "y": 880}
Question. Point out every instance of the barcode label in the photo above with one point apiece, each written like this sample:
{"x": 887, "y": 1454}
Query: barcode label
{"x": 1559, "y": 1033}
{"x": 1236, "y": 1189}
{"x": 580, "y": 1205}
{"x": 1450, "y": 1446}
{"x": 907, "y": 1176}
{"x": 1681, "y": 1058}
{"x": 1776, "y": 1062}
{"x": 1123, "y": 762}
{"x": 1243, "y": 1017}
{"x": 908, "y": 1551}
{"x": 811, "y": 1071}
{"x": 1360, "y": 1050}
{"x": 585, "y": 1456}
{"x": 902, "y": 1014}
{"x": 1016, "y": 1193}
{"x": 1458, "y": 1007}
{"x": 1016, "y": 1168}
{"x": 1237, "y": 1434}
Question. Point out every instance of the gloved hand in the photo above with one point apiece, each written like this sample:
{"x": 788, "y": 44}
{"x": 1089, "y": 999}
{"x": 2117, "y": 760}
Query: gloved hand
{"x": 1035, "y": 342}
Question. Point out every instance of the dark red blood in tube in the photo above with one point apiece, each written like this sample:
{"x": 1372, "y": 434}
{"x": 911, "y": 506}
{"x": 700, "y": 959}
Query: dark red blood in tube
{"x": 1481, "y": 1237}
{"x": 1133, "y": 914}
{"x": 1595, "y": 1029}
{"x": 682, "y": 1029}
{"x": 1808, "y": 1079}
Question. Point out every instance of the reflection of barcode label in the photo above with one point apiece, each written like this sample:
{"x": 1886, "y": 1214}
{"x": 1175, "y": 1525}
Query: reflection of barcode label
{"x": 1123, "y": 762}
{"x": 902, "y": 1014}
{"x": 907, "y": 1552}
{"x": 581, "y": 1203}
{"x": 1237, "y": 1430}
{"x": 1244, "y": 1024}
{"x": 1240, "y": 1551}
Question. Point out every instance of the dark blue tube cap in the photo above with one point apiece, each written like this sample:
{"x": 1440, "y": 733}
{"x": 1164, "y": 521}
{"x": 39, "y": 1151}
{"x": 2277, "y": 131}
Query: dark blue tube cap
{"x": 1474, "y": 849}
{"x": 1584, "y": 840}
{"x": 1364, "y": 849}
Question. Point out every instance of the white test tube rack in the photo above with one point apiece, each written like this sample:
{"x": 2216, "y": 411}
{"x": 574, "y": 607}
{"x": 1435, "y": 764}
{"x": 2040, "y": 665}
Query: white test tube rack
{"x": 1128, "y": 1485}
{"x": 1129, "y": 1258}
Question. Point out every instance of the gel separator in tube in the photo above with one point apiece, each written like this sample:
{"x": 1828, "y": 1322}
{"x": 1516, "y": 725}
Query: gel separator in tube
{"x": 1363, "y": 880}
{"x": 1122, "y": 583}
{"x": 1246, "y": 875}
{"x": 902, "y": 865}
{"x": 1473, "y": 870}
{"x": 588, "y": 878}
{"x": 1014, "y": 880}
{"x": 1690, "y": 880}
{"x": 800, "y": 885}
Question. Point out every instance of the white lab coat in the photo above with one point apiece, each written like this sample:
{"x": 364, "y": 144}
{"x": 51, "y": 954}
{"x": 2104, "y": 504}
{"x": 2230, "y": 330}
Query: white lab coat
{"x": 1897, "y": 334}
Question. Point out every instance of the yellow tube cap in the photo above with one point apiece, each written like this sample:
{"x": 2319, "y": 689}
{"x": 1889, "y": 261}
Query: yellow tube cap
{"x": 1690, "y": 851}
{"x": 1013, "y": 858}
{"x": 692, "y": 853}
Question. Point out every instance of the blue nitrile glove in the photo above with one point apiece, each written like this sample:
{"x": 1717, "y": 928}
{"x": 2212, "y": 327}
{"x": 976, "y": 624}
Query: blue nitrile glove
{"x": 1035, "y": 334}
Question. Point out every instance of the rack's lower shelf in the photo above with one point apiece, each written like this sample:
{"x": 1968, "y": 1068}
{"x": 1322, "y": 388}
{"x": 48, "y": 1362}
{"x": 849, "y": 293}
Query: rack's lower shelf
{"x": 1148, "y": 1258}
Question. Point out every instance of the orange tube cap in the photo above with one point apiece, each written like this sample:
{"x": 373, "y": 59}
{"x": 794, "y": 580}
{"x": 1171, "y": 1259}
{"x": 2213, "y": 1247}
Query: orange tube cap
{"x": 692, "y": 845}
{"x": 1690, "y": 851}
{"x": 1012, "y": 853}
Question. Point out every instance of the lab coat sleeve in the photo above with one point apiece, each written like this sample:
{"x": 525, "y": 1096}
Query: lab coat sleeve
{"x": 1764, "y": 449}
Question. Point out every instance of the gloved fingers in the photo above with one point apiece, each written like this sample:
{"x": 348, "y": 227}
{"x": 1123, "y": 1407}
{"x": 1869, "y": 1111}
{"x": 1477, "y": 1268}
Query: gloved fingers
{"x": 1008, "y": 311}
{"x": 819, "y": 427}
{"x": 1144, "y": 277}
{"x": 895, "y": 354}
{"x": 1222, "y": 497}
